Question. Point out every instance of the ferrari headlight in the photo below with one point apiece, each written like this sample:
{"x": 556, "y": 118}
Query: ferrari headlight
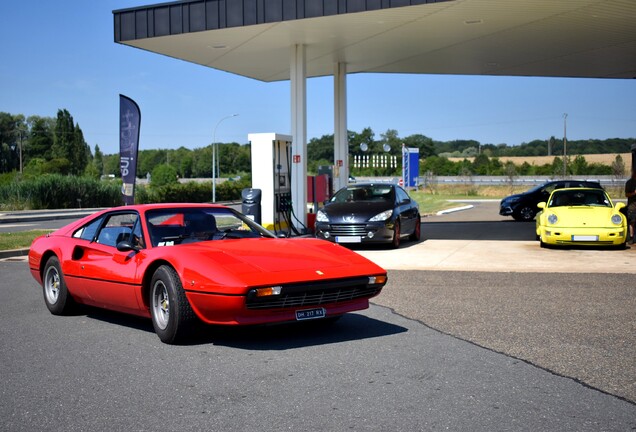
{"x": 617, "y": 219}
{"x": 269, "y": 291}
{"x": 382, "y": 216}
{"x": 552, "y": 219}
{"x": 321, "y": 216}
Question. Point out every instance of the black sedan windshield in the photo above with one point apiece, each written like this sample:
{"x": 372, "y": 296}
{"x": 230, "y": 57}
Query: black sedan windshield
{"x": 367, "y": 193}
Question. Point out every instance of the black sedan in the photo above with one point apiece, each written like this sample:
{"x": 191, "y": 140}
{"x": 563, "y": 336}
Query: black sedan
{"x": 369, "y": 213}
{"x": 523, "y": 206}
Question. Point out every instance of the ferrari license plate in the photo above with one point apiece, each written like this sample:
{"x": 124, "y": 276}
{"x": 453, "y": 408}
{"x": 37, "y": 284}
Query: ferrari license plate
{"x": 584, "y": 238}
{"x": 348, "y": 239}
{"x": 308, "y": 314}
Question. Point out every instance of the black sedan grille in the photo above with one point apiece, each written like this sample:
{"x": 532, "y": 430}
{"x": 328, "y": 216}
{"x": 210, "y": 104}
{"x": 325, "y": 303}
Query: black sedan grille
{"x": 315, "y": 294}
{"x": 348, "y": 230}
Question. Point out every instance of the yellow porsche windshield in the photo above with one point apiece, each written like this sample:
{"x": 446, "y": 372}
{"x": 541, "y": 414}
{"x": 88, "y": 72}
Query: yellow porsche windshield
{"x": 583, "y": 197}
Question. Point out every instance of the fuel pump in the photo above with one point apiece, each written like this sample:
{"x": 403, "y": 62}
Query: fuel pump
{"x": 271, "y": 173}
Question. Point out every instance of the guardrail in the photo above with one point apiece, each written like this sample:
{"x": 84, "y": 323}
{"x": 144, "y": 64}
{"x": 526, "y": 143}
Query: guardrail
{"x": 607, "y": 181}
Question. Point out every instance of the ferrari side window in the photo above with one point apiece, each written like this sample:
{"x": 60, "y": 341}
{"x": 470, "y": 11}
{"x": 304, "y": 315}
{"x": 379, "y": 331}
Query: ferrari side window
{"x": 117, "y": 228}
{"x": 87, "y": 232}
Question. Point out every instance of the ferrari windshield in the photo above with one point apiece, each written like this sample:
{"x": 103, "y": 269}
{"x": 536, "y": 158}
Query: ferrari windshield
{"x": 168, "y": 227}
{"x": 579, "y": 197}
{"x": 377, "y": 193}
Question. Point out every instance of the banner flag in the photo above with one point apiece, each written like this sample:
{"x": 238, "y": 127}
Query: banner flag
{"x": 129, "y": 121}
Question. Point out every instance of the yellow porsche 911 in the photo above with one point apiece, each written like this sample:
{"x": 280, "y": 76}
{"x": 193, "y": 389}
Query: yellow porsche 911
{"x": 581, "y": 216}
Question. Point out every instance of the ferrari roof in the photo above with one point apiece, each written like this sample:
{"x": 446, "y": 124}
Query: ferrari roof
{"x": 565, "y": 38}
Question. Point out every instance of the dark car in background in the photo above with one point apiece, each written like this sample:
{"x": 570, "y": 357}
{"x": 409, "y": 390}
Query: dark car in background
{"x": 523, "y": 206}
{"x": 369, "y": 213}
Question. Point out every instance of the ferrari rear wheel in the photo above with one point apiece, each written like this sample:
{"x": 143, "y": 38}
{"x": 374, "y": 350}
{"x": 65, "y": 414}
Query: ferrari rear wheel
{"x": 172, "y": 315}
{"x": 56, "y": 295}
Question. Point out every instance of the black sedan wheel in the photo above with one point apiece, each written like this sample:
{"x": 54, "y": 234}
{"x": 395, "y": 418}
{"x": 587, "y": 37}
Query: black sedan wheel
{"x": 395, "y": 243}
{"x": 417, "y": 232}
{"x": 56, "y": 296}
{"x": 172, "y": 315}
{"x": 525, "y": 214}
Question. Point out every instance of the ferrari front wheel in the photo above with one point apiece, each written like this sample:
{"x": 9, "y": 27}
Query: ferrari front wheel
{"x": 172, "y": 315}
{"x": 56, "y": 295}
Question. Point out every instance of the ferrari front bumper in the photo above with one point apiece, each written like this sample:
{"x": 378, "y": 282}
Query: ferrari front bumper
{"x": 232, "y": 310}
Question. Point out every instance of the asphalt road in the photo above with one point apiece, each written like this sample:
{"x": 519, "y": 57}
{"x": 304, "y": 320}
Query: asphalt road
{"x": 374, "y": 370}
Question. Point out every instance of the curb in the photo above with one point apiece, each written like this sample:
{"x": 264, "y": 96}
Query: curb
{"x": 13, "y": 253}
{"x": 454, "y": 209}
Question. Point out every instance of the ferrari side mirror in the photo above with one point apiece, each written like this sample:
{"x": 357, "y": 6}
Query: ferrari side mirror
{"x": 126, "y": 246}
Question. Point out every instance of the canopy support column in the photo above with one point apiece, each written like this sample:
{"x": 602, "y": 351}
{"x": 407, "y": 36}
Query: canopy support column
{"x": 340, "y": 136}
{"x": 298, "y": 79}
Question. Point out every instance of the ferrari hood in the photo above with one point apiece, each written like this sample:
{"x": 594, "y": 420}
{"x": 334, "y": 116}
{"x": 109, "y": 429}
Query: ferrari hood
{"x": 268, "y": 255}
{"x": 233, "y": 264}
{"x": 584, "y": 216}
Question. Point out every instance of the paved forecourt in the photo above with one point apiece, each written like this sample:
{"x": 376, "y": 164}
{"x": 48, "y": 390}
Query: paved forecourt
{"x": 478, "y": 239}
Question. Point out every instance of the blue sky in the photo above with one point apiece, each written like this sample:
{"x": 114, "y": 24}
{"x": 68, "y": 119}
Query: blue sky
{"x": 61, "y": 54}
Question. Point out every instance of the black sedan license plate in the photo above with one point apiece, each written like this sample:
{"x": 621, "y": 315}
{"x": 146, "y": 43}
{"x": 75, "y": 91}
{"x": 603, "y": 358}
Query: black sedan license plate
{"x": 308, "y": 314}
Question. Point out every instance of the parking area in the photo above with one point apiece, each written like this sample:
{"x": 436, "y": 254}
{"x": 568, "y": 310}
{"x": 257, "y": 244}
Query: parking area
{"x": 480, "y": 240}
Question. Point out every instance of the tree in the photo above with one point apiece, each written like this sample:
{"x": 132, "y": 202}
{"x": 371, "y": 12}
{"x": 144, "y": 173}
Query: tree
{"x": 40, "y": 137}
{"x": 69, "y": 144}
{"x": 12, "y": 133}
{"x": 424, "y": 143}
{"x": 481, "y": 164}
{"x": 98, "y": 160}
{"x": 163, "y": 175}
{"x": 578, "y": 166}
{"x": 618, "y": 167}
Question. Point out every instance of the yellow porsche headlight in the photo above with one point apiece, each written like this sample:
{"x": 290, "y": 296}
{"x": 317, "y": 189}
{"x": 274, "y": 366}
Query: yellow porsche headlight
{"x": 617, "y": 219}
{"x": 552, "y": 219}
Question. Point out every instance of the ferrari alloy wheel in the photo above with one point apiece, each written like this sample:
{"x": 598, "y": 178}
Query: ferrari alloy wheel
{"x": 171, "y": 313}
{"x": 161, "y": 304}
{"x": 56, "y": 295}
{"x": 525, "y": 214}
{"x": 417, "y": 232}
{"x": 395, "y": 243}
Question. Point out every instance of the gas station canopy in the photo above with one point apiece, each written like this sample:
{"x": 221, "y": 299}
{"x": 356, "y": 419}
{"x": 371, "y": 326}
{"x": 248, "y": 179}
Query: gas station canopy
{"x": 565, "y": 38}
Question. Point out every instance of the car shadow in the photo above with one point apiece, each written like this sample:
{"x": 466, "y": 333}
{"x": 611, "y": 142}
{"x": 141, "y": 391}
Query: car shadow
{"x": 351, "y": 326}
{"x": 280, "y": 337}
{"x": 504, "y": 230}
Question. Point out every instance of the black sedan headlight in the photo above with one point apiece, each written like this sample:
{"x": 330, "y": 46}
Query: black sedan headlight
{"x": 321, "y": 216}
{"x": 382, "y": 216}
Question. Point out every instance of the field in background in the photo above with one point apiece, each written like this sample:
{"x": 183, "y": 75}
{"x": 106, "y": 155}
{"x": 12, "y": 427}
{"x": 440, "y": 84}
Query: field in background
{"x": 605, "y": 159}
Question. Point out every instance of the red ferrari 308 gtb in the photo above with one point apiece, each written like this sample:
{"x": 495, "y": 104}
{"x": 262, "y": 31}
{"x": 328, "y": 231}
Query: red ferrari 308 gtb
{"x": 177, "y": 263}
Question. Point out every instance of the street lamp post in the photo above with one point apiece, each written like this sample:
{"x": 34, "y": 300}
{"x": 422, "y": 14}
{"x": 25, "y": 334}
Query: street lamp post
{"x": 565, "y": 143}
{"x": 214, "y": 150}
{"x": 19, "y": 145}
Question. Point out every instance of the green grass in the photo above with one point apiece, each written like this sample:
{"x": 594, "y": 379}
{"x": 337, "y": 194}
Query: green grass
{"x": 19, "y": 240}
{"x": 431, "y": 204}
